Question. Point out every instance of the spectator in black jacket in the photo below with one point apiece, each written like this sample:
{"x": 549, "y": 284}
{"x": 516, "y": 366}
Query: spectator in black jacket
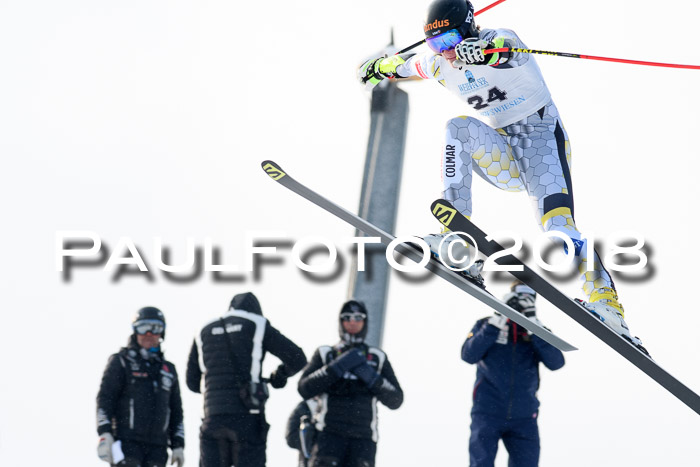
{"x": 349, "y": 378}
{"x": 301, "y": 433}
{"x": 228, "y": 352}
{"x": 139, "y": 403}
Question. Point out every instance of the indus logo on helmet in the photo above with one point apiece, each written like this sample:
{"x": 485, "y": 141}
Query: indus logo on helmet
{"x": 436, "y": 25}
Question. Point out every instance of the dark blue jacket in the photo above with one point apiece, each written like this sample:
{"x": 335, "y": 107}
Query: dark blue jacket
{"x": 507, "y": 373}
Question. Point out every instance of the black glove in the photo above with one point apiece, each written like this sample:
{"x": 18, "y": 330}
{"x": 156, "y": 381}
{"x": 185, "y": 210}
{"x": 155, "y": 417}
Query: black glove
{"x": 278, "y": 378}
{"x": 524, "y": 303}
{"x": 367, "y": 374}
{"x": 346, "y": 362}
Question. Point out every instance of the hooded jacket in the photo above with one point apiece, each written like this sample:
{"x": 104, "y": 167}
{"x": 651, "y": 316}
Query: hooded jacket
{"x": 507, "y": 372}
{"x": 228, "y": 353}
{"x": 347, "y": 406}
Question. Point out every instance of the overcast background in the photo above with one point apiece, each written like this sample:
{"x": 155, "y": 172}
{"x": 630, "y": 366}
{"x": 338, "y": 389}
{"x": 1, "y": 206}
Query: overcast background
{"x": 147, "y": 119}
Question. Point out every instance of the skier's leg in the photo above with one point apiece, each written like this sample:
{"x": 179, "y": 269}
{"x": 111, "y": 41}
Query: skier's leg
{"x": 547, "y": 165}
{"x": 472, "y": 146}
{"x": 522, "y": 441}
{"x": 542, "y": 147}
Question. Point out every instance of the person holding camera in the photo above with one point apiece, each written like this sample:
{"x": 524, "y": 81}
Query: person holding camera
{"x": 228, "y": 353}
{"x": 349, "y": 379}
{"x": 505, "y": 405}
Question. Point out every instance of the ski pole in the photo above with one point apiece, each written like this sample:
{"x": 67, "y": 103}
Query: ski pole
{"x": 413, "y": 46}
{"x": 486, "y": 8}
{"x": 591, "y": 57}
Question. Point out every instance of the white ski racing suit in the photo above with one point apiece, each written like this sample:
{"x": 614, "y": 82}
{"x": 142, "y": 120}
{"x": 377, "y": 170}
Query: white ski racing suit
{"x": 513, "y": 137}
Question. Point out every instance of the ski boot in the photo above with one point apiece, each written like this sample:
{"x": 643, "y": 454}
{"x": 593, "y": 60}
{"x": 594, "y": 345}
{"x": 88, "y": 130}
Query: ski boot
{"x": 440, "y": 250}
{"x": 605, "y": 306}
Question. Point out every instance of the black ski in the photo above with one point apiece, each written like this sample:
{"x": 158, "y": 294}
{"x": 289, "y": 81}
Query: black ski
{"x": 456, "y": 222}
{"x": 276, "y": 173}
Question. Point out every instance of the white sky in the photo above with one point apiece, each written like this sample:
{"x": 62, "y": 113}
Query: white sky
{"x": 150, "y": 119}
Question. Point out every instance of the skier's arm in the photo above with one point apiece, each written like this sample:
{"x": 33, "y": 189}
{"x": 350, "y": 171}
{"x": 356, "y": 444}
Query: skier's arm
{"x": 316, "y": 377}
{"x": 108, "y": 395}
{"x": 500, "y": 38}
{"x": 292, "y": 356}
{"x": 425, "y": 66}
{"x": 479, "y": 341}
{"x": 549, "y": 355}
{"x": 193, "y": 375}
{"x": 373, "y": 71}
{"x": 176, "y": 429}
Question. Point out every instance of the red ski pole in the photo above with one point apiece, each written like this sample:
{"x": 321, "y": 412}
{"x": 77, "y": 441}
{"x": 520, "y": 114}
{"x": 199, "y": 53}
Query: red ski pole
{"x": 486, "y": 8}
{"x": 591, "y": 57}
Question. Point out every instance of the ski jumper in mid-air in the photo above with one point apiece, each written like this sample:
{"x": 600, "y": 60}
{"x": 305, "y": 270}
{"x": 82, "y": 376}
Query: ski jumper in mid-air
{"x": 513, "y": 136}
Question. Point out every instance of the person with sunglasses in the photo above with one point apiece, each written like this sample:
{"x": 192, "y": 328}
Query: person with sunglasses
{"x": 512, "y": 136}
{"x": 504, "y": 399}
{"x": 139, "y": 408}
{"x": 348, "y": 379}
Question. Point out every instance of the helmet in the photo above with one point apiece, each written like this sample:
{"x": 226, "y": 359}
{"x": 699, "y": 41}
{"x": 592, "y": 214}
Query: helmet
{"x": 147, "y": 319}
{"x": 349, "y": 309}
{"x": 444, "y": 15}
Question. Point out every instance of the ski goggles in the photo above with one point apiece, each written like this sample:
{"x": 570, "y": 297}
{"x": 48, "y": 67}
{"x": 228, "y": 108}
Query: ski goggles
{"x": 353, "y": 317}
{"x": 445, "y": 41}
{"x": 149, "y": 325}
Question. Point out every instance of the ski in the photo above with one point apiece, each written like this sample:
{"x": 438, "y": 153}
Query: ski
{"x": 277, "y": 174}
{"x": 448, "y": 215}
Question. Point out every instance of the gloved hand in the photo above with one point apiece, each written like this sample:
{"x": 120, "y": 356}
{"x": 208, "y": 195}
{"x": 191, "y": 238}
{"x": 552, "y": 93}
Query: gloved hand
{"x": 278, "y": 378}
{"x": 373, "y": 71}
{"x": 522, "y": 302}
{"x": 366, "y": 373}
{"x": 471, "y": 51}
{"x": 368, "y": 74}
{"x": 104, "y": 447}
{"x": 346, "y": 362}
{"x": 498, "y": 320}
{"x": 178, "y": 455}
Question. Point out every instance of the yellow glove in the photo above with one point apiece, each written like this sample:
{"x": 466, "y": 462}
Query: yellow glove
{"x": 373, "y": 71}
